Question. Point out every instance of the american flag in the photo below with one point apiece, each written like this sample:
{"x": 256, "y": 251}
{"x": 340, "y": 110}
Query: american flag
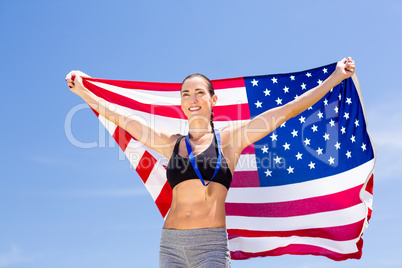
{"x": 306, "y": 188}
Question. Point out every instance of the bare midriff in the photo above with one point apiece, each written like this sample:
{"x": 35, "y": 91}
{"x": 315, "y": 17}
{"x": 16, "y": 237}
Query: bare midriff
{"x": 191, "y": 210}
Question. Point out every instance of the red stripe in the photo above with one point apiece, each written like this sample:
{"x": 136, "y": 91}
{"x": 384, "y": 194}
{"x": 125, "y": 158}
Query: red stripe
{"x": 249, "y": 149}
{"x": 300, "y": 249}
{"x": 122, "y": 137}
{"x": 370, "y": 184}
{"x": 96, "y": 113}
{"x": 145, "y": 166}
{"x": 228, "y": 83}
{"x": 244, "y": 179}
{"x": 138, "y": 85}
{"x": 369, "y": 212}
{"x": 306, "y": 206}
{"x": 338, "y": 233}
{"x": 221, "y": 113}
{"x": 217, "y": 84}
{"x": 164, "y": 199}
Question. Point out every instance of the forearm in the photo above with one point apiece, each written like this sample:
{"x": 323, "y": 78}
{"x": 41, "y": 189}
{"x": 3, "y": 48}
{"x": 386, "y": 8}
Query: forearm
{"x": 112, "y": 112}
{"x": 309, "y": 98}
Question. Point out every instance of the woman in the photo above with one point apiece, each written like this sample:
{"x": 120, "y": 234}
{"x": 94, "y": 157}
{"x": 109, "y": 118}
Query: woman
{"x": 194, "y": 233}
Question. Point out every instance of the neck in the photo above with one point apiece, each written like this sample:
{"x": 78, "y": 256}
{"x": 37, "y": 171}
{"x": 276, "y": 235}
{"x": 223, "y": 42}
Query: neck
{"x": 198, "y": 128}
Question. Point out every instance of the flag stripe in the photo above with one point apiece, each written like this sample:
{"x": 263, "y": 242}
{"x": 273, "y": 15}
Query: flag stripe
{"x": 338, "y": 233}
{"x": 217, "y": 84}
{"x": 145, "y": 166}
{"x": 221, "y": 113}
{"x": 317, "y": 220}
{"x": 256, "y": 244}
{"x": 243, "y": 179}
{"x": 307, "y": 206}
{"x": 299, "y": 249}
{"x": 227, "y": 96}
{"x": 122, "y": 138}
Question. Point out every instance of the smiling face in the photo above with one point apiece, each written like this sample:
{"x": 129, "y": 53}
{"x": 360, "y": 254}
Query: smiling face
{"x": 196, "y": 98}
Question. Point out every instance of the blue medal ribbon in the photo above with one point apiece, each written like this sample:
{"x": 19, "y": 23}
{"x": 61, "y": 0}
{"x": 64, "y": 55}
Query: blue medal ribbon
{"x": 194, "y": 163}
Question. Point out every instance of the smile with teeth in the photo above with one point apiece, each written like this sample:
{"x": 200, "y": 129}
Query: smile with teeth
{"x": 192, "y": 109}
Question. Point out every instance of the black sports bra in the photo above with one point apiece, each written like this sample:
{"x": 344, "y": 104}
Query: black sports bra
{"x": 180, "y": 169}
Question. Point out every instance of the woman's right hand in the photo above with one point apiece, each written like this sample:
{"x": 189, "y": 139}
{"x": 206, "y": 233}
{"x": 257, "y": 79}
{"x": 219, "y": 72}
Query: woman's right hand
{"x": 74, "y": 81}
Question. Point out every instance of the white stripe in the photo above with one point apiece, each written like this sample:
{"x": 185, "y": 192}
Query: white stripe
{"x": 367, "y": 198}
{"x": 156, "y": 181}
{"x": 163, "y": 122}
{"x": 318, "y": 220}
{"x": 110, "y": 126}
{"x": 134, "y": 152}
{"x": 314, "y": 188}
{"x": 261, "y": 244}
{"x": 246, "y": 162}
{"x": 227, "y": 96}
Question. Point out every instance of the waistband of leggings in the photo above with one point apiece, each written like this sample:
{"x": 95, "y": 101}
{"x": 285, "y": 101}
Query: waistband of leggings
{"x": 191, "y": 236}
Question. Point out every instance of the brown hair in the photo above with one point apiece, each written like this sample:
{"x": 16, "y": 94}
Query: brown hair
{"x": 210, "y": 90}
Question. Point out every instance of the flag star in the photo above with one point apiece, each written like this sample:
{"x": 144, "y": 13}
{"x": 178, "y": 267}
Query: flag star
{"x": 331, "y": 160}
{"x": 283, "y": 124}
{"x": 308, "y": 74}
{"x": 302, "y": 119}
{"x": 290, "y": 169}
{"x": 332, "y": 123}
{"x": 363, "y": 147}
{"x": 353, "y": 139}
{"x": 349, "y": 100}
{"x": 268, "y": 173}
{"x": 348, "y": 154}
{"x": 303, "y": 86}
{"x": 311, "y": 165}
{"x": 273, "y": 137}
{"x": 338, "y": 146}
{"x": 299, "y": 155}
{"x": 346, "y": 115}
{"x": 294, "y": 133}
{"x": 258, "y": 104}
{"x": 336, "y": 109}
{"x": 357, "y": 123}
{"x": 286, "y": 89}
{"x": 296, "y": 96}
{"x": 320, "y": 115}
{"x": 325, "y": 70}
{"x": 286, "y": 146}
{"x": 314, "y": 128}
{"x": 340, "y": 96}
{"x": 319, "y": 151}
{"x": 277, "y": 160}
{"x": 274, "y": 80}
{"x": 319, "y": 82}
{"x": 332, "y": 89}
{"x": 306, "y": 141}
{"x": 292, "y": 77}
{"x": 343, "y": 130}
{"x": 278, "y": 101}
{"x": 310, "y": 108}
{"x": 325, "y": 102}
{"x": 255, "y": 82}
{"x": 267, "y": 92}
{"x": 326, "y": 136}
{"x": 264, "y": 149}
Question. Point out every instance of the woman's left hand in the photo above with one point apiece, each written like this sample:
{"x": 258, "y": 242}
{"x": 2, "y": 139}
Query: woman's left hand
{"x": 345, "y": 68}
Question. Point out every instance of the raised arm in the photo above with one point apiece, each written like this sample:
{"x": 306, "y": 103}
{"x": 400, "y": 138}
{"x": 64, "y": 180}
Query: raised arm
{"x": 263, "y": 124}
{"x": 159, "y": 140}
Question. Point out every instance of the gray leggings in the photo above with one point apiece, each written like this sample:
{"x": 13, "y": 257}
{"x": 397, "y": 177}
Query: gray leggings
{"x": 192, "y": 248}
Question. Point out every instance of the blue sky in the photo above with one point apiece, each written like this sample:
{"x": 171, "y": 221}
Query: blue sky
{"x": 64, "y": 206}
